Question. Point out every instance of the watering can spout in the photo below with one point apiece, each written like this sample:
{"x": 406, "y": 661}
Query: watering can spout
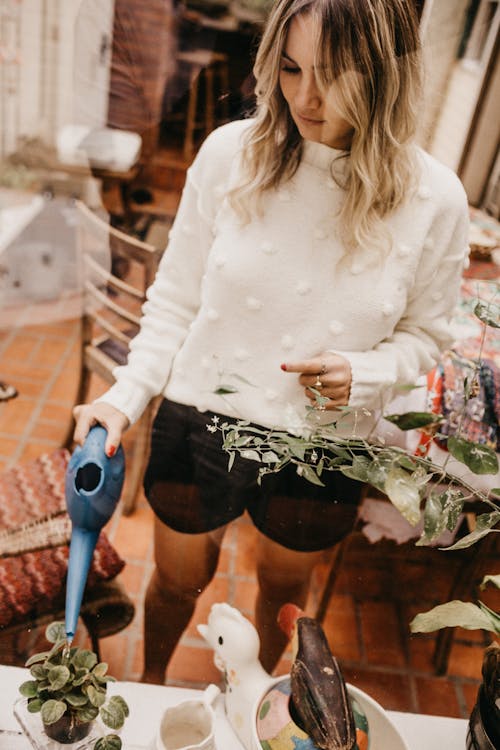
{"x": 93, "y": 486}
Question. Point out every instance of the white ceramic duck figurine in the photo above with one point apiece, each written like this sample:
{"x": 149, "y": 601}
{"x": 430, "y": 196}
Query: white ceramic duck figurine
{"x": 236, "y": 644}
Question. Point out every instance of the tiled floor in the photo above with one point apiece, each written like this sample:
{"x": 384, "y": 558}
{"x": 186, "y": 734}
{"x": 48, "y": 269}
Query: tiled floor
{"x": 378, "y": 590}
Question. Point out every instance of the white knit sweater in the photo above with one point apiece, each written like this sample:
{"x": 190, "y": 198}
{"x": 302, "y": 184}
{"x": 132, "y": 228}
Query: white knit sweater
{"x": 231, "y": 302}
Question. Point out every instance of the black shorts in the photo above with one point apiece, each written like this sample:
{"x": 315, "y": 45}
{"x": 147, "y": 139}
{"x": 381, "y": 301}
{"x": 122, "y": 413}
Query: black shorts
{"x": 189, "y": 488}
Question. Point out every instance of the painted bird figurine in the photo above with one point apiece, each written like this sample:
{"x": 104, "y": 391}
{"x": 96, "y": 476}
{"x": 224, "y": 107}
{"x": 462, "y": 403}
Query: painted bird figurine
{"x": 319, "y": 693}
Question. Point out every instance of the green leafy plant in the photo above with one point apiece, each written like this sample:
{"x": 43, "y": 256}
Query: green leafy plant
{"x": 460, "y": 614}
{"x": 417, "y": 487}
{"x": 71, "y": 683}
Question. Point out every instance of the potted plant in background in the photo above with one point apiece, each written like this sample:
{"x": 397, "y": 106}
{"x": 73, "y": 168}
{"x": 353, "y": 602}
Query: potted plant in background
{"x": 68, "y": 689}
{"x": 484, "y": 724}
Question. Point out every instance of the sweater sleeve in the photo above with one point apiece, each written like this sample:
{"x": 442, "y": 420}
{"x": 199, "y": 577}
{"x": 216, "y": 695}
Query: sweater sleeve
{"x": 424, "y": 330}
{"x": 174, "y": 297}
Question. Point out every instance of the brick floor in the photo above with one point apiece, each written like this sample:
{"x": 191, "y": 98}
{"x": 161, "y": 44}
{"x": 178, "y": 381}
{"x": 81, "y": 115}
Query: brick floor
{"x": 379, "y": 587}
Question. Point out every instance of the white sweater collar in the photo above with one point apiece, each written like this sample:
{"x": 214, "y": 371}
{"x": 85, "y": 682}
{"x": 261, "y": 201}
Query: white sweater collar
{"x": 319, "y": 154}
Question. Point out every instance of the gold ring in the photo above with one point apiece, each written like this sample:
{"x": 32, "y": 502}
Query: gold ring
{"x": 318, "y": 383}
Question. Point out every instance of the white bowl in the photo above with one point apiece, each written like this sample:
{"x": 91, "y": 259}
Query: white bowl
{"x": 383, "y": 733}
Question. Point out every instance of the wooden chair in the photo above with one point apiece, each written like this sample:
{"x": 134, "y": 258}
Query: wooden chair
{"x": 470, "y": 569}
{"x": 110, "y": 318}
{"x": 207, "y": 73}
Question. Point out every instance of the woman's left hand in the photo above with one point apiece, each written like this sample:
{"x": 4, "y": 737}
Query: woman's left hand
{"x": 329, "y": 374}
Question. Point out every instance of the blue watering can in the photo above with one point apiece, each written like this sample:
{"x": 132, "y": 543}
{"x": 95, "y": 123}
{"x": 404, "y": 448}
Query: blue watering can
{"x": 93, "y": 486}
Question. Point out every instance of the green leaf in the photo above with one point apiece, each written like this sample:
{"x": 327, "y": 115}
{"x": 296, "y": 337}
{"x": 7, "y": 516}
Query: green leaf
{"x": 230, "y": 462}
{"x": 495, "y": 491}
{"x": 29, "y": 689}
{"x": 52, "y": 711}
{"x": 84, "y": 659}
{"x": 359, "y": 469}
{"x": 434, "y": 520}
{"x": 109, "y": 742}
{"x": 100, "y": 669}
{"x": 34, "y": 705}
{"x": 412, "y": 420}
{"x": 39, "y": 672}
{"x": 450, "y": 615}
{"x": 36, "y": 658}
{"x": 404, "y": 494}
{"x": 480, "y": 459}
{"x": 270, "y": 457}
{"x": 87, "y": 713}
{"x": 58, "y": 677}
{"x": 485, "y": 524}
{"x": 488, "y": 313}
{"x": 121, "y": 702}
{"x": 112, "y": 715}
{"x": 303, "y": 470}
{"x": 250, "y": 455}
{"x": 441, "y": 512}
{"x": 495, "y": 580}
{"x": 494, "y": 616}
{"x": 76, "y": 699}
{"x": 55, "y": 632}
{"x": 224, "y": 390}
{"x": 96, "y": 697}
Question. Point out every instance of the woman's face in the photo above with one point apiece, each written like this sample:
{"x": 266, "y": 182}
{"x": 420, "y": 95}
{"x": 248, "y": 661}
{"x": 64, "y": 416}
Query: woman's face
{"x": 314, "y": 114}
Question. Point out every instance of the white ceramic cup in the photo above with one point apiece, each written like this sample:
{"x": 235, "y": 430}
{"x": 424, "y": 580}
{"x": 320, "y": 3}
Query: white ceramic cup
{"x": 190, "y": 725}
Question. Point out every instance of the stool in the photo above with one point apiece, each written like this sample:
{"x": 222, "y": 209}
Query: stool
{"x": 205, "y": 67}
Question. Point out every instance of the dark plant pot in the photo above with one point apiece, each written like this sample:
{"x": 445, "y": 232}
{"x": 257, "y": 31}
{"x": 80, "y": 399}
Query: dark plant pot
{"x": 67, "y": 729}
{"x": 484, "y": 725}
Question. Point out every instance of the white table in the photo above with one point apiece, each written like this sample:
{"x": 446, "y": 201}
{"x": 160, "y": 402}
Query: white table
{"x": 149, "y": 701}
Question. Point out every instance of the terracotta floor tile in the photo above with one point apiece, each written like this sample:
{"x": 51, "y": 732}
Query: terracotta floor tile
{"x": 21, "y": 349}
{"x": 133, "y": 577}
{"x": 113, "y": 650}
{"x": 341, "y": 629}
{"x": 8, "y": 447}
{"x": 133, "y": 538}
{"x": 437, "y": 696}
{"x": 33, "y": 450}
{"x": 381, "y": 633}
{"x": 55, "y": 412}
{"x": 11, "y": 370}
{"x": 391, "y": 690}
{"x": 421, "y": 649}
{"x": 465, "y": 661}
{"x": 55, "y": 351}
{"x": 16, "y": 414}
{"x": 193, "y": 665}
{"x": 27, "y": 387}
{"x": 469, "y": 691}
{"x": 51, "y": 431}
{"x": 64, "y": 387}
{"x": 62, "y": 328}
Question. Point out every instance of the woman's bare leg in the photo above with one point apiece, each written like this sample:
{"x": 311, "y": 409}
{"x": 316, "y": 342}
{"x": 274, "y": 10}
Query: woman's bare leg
{"x": 283, "y": 576}
{"x": 185, "y": 565}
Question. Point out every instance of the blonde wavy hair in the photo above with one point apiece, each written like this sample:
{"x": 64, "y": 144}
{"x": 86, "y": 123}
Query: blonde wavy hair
{"x": 378, "y": 39}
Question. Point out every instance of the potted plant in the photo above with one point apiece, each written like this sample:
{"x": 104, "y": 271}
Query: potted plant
{"x": 68, "y": 689}
{"x": 484, "y": 723}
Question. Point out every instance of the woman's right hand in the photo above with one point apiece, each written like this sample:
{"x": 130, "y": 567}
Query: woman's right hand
{"x": 113, "y": 420}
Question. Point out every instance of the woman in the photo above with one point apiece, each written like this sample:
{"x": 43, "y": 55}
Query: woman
{"x": 314, "y": 246}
